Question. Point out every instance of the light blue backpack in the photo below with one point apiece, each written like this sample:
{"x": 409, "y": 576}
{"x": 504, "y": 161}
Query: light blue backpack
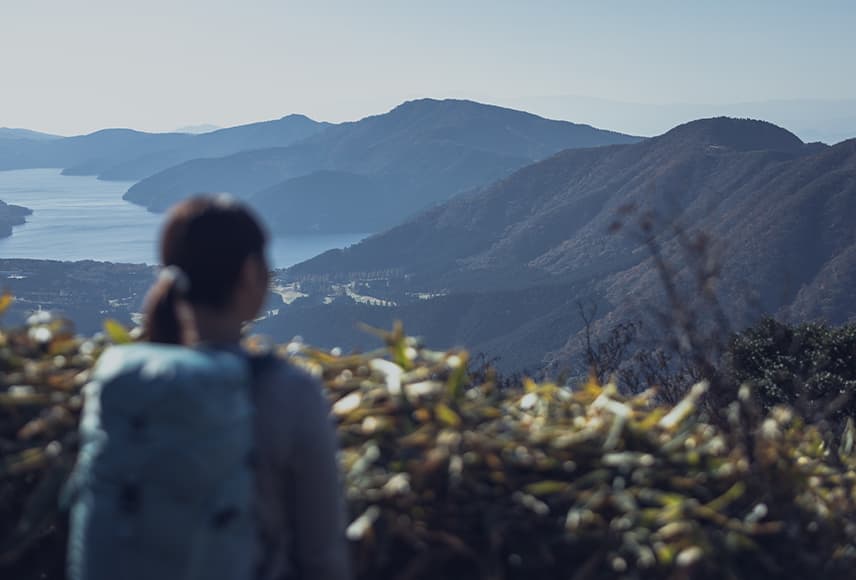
{"x": 163, "y": 485}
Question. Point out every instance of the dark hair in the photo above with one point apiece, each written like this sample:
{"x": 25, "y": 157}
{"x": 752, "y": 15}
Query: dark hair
{"x": 207, "y": 239}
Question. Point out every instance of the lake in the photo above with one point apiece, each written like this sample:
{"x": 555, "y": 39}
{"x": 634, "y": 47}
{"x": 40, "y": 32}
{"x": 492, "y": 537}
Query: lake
{"x": 82, "y": 218}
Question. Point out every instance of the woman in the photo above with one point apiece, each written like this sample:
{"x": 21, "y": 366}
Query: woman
{"x": 215, "y": 278}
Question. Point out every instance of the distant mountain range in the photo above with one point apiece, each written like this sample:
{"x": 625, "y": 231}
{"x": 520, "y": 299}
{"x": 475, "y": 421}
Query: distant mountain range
{"x": 509, "y": 217}
{"x": 826, "y": 120}
{"x": 502, "y": 270}
{"x": 9, "y": 133}
{"x": 124, "y": 154}
{"x": 372, "y": 173}
{"x": 278, "y": 133}
{"x": 310, "y": 177}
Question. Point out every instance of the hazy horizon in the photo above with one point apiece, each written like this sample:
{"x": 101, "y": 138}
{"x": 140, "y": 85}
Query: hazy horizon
{"x": 827, "y": 120}
{"x": 72, "y": 68}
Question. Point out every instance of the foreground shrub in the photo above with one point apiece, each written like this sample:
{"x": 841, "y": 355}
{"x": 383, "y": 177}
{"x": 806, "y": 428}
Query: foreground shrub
{"x": 449, "y": 479}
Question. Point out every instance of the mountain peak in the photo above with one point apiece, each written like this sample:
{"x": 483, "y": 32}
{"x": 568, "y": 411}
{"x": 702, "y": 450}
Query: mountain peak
{"x": 456, "y": 106}
{"x": 430, "y": 102}
{"x": 297, "y": 117}
{"x": 737, "y": 134}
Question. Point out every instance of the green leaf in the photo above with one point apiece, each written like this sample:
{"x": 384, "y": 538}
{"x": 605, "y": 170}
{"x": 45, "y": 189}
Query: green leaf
{"x": 547, "y": 487}
{"x": 447, "y": 415}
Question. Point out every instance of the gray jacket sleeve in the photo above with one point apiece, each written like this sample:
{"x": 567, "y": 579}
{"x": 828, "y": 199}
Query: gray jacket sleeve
{"x": 306, "y": 475}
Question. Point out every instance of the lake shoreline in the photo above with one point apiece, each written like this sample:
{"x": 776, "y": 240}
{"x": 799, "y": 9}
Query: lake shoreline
{"x": 82, "y": 218}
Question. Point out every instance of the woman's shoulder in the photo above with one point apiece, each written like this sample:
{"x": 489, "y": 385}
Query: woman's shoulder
{"x": 281, "y": 383}
{"x": 279, "y": 373}
{"x": 290, "y": 406}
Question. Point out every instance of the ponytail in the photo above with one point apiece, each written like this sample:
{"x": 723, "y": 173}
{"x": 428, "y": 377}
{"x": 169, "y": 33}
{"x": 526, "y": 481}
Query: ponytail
{"x": 168, "y": 318}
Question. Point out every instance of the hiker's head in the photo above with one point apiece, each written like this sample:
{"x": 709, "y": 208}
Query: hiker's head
{"x": 212, "y": 249}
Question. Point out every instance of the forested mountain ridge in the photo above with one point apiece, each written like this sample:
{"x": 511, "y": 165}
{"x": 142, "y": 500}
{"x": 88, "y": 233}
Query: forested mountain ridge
{"x": 545, "y": 215}
{"x": 420, "y": 153}
{"x": 776, "y": 209}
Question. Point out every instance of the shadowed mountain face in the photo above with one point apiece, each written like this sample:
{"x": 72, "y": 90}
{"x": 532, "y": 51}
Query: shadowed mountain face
{"x": 123, "y": 154}
{"x": 386, "y": 166}
{"x": 537, "y": 242}
{"x": 307, "y": 204}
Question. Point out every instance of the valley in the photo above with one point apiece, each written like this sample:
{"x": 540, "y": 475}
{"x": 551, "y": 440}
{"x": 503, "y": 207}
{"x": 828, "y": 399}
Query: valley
{"x": 506, "y": 227}
{"x": 537, "y": 244}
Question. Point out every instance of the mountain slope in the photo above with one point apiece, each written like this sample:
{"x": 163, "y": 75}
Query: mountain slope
{"x": 550, "y": 216}
{"x": 778, "y": 209}
{"x": 419, "y": 153}
{"x": 240, "y": 174}
{"x": 91, "y": 154}
{"x": 277, "y": 133}
{"x": 302, "y": 205}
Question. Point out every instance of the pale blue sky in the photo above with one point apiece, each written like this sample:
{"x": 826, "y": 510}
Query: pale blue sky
{"x": 71, "y": 66}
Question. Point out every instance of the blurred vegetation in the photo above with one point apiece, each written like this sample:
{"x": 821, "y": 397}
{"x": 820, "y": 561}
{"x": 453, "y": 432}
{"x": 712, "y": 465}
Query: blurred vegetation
{"x": 450, "y": 476}
{"x": 811, "y": 367}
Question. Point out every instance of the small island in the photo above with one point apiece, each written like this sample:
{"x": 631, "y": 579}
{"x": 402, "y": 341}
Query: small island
{"x": 11, "y": 215}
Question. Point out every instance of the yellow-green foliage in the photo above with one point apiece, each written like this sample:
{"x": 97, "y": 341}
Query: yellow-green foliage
{"x": 450, "y": 479}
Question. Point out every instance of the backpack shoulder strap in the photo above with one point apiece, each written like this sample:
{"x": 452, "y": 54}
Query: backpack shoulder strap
{"x": 261, "y": 364}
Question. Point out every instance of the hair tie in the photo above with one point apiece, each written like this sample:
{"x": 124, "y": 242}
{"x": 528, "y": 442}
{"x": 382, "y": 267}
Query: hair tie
{"x": 225, "y": 200}
{"x": 176, "y": 276}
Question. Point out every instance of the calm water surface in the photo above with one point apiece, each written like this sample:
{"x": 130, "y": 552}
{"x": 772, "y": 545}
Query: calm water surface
{"x": 81, "y": 218}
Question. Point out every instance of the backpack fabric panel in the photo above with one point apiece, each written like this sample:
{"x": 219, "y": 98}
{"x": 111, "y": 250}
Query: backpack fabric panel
{"x": 164, "y": 484}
